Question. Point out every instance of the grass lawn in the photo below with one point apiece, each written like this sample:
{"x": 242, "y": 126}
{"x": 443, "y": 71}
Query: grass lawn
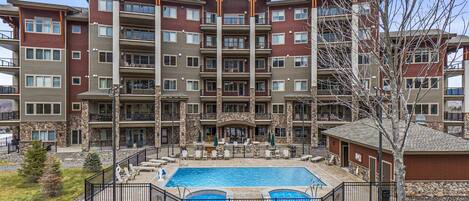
{"x": 12, "y": 187}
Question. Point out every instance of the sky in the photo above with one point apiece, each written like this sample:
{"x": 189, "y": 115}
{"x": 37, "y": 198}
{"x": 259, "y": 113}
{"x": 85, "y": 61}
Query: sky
{"x": 456, "y": 27}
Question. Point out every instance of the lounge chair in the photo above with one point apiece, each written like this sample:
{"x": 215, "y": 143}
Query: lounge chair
{"x": 286, "y": 154}
{"x": 268, "y": 154}
{"x": 163, "y": 162}
{"x": 133, "y": 170}
{"x": 198, "y": 155}
{"x": 331, "y": 160}
{"x": 184, "y": 154}
{"x": 143, "y": 168}
{"x": 305, "y": 157}
{"x": 214, "y": 155}
{"x": 119, "y": 177}
{"x": 277, "y": 154}
{"x": 129, "y": 175}
{"x": 169, "y": 159}
{"x": 150, "y": 164}
{"x": 316, "y": 159}
{"x": 226, "y": 154}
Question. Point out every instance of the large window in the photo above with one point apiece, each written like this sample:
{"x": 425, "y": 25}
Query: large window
{"x": 43, "y": 81}
{"x": 105, "y": 31}
{"x": 301, "y": 61}
{"x": 192, "y": 108}
{"x": 301, "y": 85}
{"x": 170, "y": 60}
{"x": 424, "y": 108}
{"x": 169, "y": 11}
{"x": 192, "y": 38}
{"x": 43, "y": 54}
{"x": 42, "y": 108}
{"x": 278, "y": 39}
{"x": 105, "y": 57}
{"x": 211, "y": 63}
{"x": 278, "y": 15}
{"x": 280, "y": 132}
{"x": 169, "y": 36}
{"x": 192, "y": 85}
{"x": 278, "y": 85}
{"x": 363, "y": 58}
{"x": 170, "y": 85}
{"x": 192, "y": 61}
{"x": 42, "y": 25}
{"x": 421, "y": 82}
{"x": 105, "y": 83}
{"x": 210, "y": 86}
{"x": 278, "y": 62}
{"x": 193, "y": 14}
{"x": 278, "y": 108}
{"x": 260, "y": 63}
{"x": 260, "y": 86}
{"x": 301, "y": 37}
{"x": 423, "y": 56}
{"x": 43, "y": 136}
{"x": 105, "y": 5}
{"x": 301, "y": 13}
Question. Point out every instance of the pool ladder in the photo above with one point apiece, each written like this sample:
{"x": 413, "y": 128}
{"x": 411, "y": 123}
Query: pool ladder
{"x": 184, "y": 190}
{"x": 314, "y": 190}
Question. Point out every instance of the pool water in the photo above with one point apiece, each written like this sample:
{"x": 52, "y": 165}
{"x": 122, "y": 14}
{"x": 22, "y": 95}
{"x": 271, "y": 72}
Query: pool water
{"x": 243, "y": 177}
{"x": 204, "y": 196}
{"x": 288, "y": 194}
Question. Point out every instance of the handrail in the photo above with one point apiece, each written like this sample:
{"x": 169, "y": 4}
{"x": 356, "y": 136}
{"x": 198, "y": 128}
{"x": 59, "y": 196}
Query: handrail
{"x": 5, "y": 34}
{"x": 8, "y": 62}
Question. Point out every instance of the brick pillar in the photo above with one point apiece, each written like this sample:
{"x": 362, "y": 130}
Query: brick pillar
{"x": 314, "y": 119}
{"x": 157, "y": 116}
{"x": 85, "y": 130}
{"x": 182, "y": 123}
{"x": 289, "y": 128}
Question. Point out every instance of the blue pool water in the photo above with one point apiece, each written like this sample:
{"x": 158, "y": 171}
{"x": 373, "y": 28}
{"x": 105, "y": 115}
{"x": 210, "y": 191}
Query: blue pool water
{"x": 288, "y": 194}
{"x": 243, "y": 177}
{"x": 205, "y": 196}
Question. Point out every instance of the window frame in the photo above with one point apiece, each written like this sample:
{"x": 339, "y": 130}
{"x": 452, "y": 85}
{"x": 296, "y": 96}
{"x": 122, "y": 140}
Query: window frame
{"x": 175, "y": 85}
{"x": 193, "y": 104}
{"x": 44, "y": 76}
{"x": 106, "y": 52}
{"x": 34, "y": 25}
{"x": 170, "y": 32}
{"x": 34, "y": 49}
{"x": 272, "y": 87}
{"x": 278, "y": 104}
{"x": 79, "y": 80}
{"x": 278, "y": 20}
{"x": 193, "y": 34}
{"x": 52, "y": 104}
{"x": 304, "y": 8}
{"x": 300, "y": 80}
{"x": 192, "y": 57}
{"x": 79, "y": 55}
{"x": 192, "y": 9}
{"x": 281, "y": 58}
{"x": 296, "y": 57}
{"x": 170, "y": 7}
{"x": 105, "y": 9}
{"x": 301, "y": 42}
{"x": 107, "y": 27}
{"x": 79, "y": 106}
{"x": 170, "y": 55}
{"x": 278, "y": 34}
{"x": 74, "y": 26}
{"x": 109, "y": 78}
{"x": 193, "y": 81}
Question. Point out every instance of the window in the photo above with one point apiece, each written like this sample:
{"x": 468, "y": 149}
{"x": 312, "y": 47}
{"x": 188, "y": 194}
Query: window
{"x": 192, "y": 85}
{"x": 278, "y": 85}
{"x": 364, "y": 8}
{"x": 434, "y": 83}
{"x": 278, "y": 62}
{"x": 169, "y": 12}
{"x": 363, "y": 58}
{"x": 211, "y": 63}
{"x": 42, "y": 25}
{"x": 278, "y": 15}
{"x": 260, "y": 86}
{"x": 280, "y": 132}
{"x": 105, "y": 5}
{"x": 76, "y": 80}
{"x": 192, "y": 108}
{"x": 423, "y": 56}
{"x": 364, "y": 34}
{"x": 193, "y": 38}
{"x": 43, "y": 108}
{"x": 105, "y": 57}
{"x": 260, "y": 63}
{"x": 105, "y": 83}
{"x": 76, "y": 106}
{"x": 211, "y": 108}
{"x": 192, "y": 62}
{"x": 278, "y": 108}
{"x": 301, "y": 13}
{"x": 260, "y": 108}
{"x": 301, "y": 61}
{"x": 105, "y": 31}
{"x": 170, "y": 60}
{"x": 43, "y": 81}
{"x": 169, "y": 85}
{"x": 211, "y": 86}
{"x": 386, "y": 85}
{"x": 261, "y": 130}
{"x": 169, "y": 36}
{"x": 278, "y": 39}
{"x": 365, "y": 83}
{"x": 43, "y": 135}
{"x": 193, "y": 14}
{"x": 43, "y": 54}
{"x": 76, "y": 55}
{"x": 423, "y": 109}
{"x": 301, "y": 37}
{"x": 301, "y": 85}
{"x": 76, "y": 29}
{"x": 433, "y": 108}
{"x": 230, "y": 86}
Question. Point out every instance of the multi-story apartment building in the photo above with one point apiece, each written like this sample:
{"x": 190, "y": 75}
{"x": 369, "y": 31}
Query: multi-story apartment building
{"x": 235, "y": 69}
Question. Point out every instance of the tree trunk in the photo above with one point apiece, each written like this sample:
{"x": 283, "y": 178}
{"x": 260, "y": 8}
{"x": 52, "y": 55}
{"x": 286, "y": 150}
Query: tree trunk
{"x": 399, "y": 174}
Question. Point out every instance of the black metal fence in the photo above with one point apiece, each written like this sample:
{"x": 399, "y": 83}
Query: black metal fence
{"x": 361, "y": 191}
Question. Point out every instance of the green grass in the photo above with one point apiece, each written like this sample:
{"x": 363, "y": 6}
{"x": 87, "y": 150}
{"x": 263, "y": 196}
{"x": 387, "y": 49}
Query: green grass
{"x": 5, "y": 163}
{"x": 12, "y": 187}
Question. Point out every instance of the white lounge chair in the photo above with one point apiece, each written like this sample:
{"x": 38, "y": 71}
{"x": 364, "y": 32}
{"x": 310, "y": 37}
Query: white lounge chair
{"x": 198, "y": 155}
{"x": 150, "y": 164}
{"x": 226, "y": 154}
{"x": 163, "y": 162}
{"x": 268, "y": 154}
{"x": 129, "y": 175}
{"x": 184, "y": 154}
{"x": 119, "y": 177}
{"x": 143, "y": 168}
{"x": 286, "y": 154}
{"x": 316, "y": 159}
{"x": 214, "y": 155}
{"x": 277, "y": 154}
{"x": 331, "y": 160}
{"x": 133, "y": 170}
{"x": 169, "y": 159}
{"x": 305, "y": 157}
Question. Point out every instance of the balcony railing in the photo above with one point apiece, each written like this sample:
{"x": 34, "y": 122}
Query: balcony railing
{"x": 454, "y": 91}
{"x": 454, "y": 116}
{"x": 139, "y": 8}
{"x": 234, "y": 45}
{"x": 138, "y": 116}
{"x": 331, "y": 37}
{"x": 263, "y": 116}
{"x": 334, "y": 117}
{"x": 261, "y": 20}
{"x": 4, "y": 34}
{"x": 138, "y": 35}
{"x": 8, "y": 90}
{"x": 454, "y": 66}
{"x": 135, "y": 90}
{"x": 297, "y": 117}
{"x": 208, "y": 93}
{"x": 15, "y": 115}
{"x": 335, "y": 90}
{"x": 209, "y": 116}
{"x": 100, "y": 117}
{"x": 332, "y": 11}
{"x": 170, "y": 117}
{"x": 8, "y": 62}
{"x": 210, "y": 19}
{"x": 234, "y": 20}
{"x": 262, "y": 45}
{"x": 240, "y": 69}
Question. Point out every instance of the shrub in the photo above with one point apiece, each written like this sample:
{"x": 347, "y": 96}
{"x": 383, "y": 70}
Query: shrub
{"x": 51, "y": 180}
{"x": 92, "y": 163}
{"x": 33, "y": 164}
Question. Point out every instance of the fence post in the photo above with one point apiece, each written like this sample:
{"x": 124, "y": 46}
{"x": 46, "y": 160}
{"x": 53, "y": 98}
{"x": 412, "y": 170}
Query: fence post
{"x": 343, "y": 192}
{"x": 233, "y": 151}
{"x": 137, "y": 159}
{"x": 149, "y": 187}
{"x": 157, "y": 153}
{"x": 164, "y": 195}
{"x": 371, "y": 192}
{"x": 102, "y": 178}
{"x": 244, "y": 151}
{"x": 333, "y": 194}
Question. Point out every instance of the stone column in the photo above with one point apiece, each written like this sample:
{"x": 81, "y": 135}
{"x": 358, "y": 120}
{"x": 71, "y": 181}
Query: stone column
{"x": 157, "y": 74}
{"x": 314, "y": 74}
{"x": 466, "y": 91}
{"x": 117, "y": 109}
{"x": 157, "y": 116}
{"x": 314, "y": 119}
{"x": 182, "y": 123}
{"x": 289, "y": 129}
{"x": 219, "y": 65}
{"x": 354, "y": 56}
{"x": 85, "y": 130}
{"x": 252, "y": 62}
{"x": 115, "y": 42}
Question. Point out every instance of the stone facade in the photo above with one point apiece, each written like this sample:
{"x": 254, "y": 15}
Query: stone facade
{"x": 157, "y": 116}
{"x": 337, "y": 158}
{"x": 466, "y": 126}
{"x": 117, "y": 114}
{"x": 246, "y": 117}
{"x": 182, "y": 123}
{"x": 289, "y": 128}
{"x": 278, "y": 121}
{"x": 85, "y": 130}
{"x": 59, "y": 127}
{"x": 437, "y": 188}
{"x": 193, "y": 127}
{"x": 314, "y": 133}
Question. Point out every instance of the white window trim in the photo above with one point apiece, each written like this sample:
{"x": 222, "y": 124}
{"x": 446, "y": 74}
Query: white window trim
{"x": 193, "y": 9}
{"x": 35, "y": 112}
{"x": 76, "y": 103}
{"x": 307, "y": 63}
{"x": 192, "y": 80}
{"x": 103, "y": 77}
{"x": 429, "y": 82}
{"x": 206, "y": 89}
{"x": 171, "y": 55}
{"x": 176, "y": 85}
{"x": 281, "y": 10}
{"x": 175, "y": 17}
{"x": 34, "y": 54}
{"x": 175, "y": 32}
{"x": 259, "y": 90}
{"x": 300, "y": 32}
{"x": 283, "y": 34}
{"x": 307, "y": 13}
{"x": 40, "y": 75}
{"x": 365, "y": 54}
{"x": 193, "y": 33}
{"x": 101, "y": 10}
{"x": 104, "y": 36}
{"x": 272, "y": 86}
{"x": 198, "y": 108}
{"x": 198, "y": 58}
{"x": 300, "y": 80}
{"x": 283, "y": 104}
{"x": 75, "y": 77}
{"x": 430, "y": 56}
{"x": 105, "y": 51}
{"x": 51, "y": 26}
{"x": 429, "y": 108}
{"x": 73, "y": 32}
{"x": 79, "y": 55}
{"x": 272, "y": 62}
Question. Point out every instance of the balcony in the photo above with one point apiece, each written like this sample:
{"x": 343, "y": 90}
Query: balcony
{"x": 137, "y": 13}
{"x": 454, "y": 68}
{"x": 263, "y": 116}
{"x": 333, "y": 90}
{"x": 334, "y": 117}
{"x": 138, "y": 39}
{"x": 100, "y": 117}
{"x": 137, "y": 117}
{"x": 454, "y": 116}
{"x": 170, "y": 117}
{"x": 9, "y": 40}
{"x": 9, "y": 92}
{"x": 133, "y": 67}
{"x": 9, "y": 116}
{"x": 332, "y": 38}
{"x": 208, "y": 116}
{"x": 263, "y": 48}
{"x": 236, "y": 118}
{"x": 454, "y": 92}
{"x": 332, "y": 12}
{"x": 9, "y": 65}
{"x": 298, "y": 117}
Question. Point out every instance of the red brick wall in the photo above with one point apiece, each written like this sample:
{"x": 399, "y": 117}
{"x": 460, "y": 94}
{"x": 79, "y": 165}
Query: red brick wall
{"x": 181, "y": 23}
{"x": 437, "y": 167}
{"x": 334, "y": 145}
{"x": 99, "y": 16}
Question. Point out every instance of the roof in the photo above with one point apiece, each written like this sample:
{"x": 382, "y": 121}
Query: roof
{"x": 459, "y": 40}
{"x": 419, "y": 139}
{"x": 44, "y": 5}
{"x": 413, "y": 33}
{"x": 286, "y": 2}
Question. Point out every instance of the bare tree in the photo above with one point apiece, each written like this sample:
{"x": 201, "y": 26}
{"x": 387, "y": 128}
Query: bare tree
{"x": 377, "y": 44}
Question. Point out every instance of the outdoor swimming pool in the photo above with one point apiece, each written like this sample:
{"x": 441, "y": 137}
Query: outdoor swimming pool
{"x": 243, "y": 177}
{"x": 285, "y": 193}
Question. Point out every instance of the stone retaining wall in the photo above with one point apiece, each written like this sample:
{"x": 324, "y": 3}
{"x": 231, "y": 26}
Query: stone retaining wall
{"x": 437, "y": 188}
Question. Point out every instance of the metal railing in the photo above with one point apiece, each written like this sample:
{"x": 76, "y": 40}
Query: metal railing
{"x": 297, "y": 117}
{"x": 138, "y": 35}
{"x": 139, "y": 8}
{"x": 8, "y": 62}
{"x": 262, "y": 45}
{"x": 234, "y": 45}
{"x": 234, "y": 20}
{"x": 138, "y": 116}
{"x": 135, "y": 89}
{"x": 4, "y": 34}
{"x": 334, "y": 117}
{"x": 169, "y": 117}
{"x": 263, "y": 116}
{"x": 100, "y": 117}
{"x": 208, "y": 116}
{"x": 332, "y": 11}
{"x": 454, "y": 116}
{"x": 8, "y": 89}
{"x": 454, "y": 66}
{"x": 9, "y": 115}
{"x": 331, "y": 37}
{"x": 454, "y": 91}
{"x": 334, "y": 90}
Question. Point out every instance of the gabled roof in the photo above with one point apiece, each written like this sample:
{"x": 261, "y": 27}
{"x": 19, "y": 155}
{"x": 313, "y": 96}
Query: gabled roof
{"x": 460, "y": 40}
{"x": 43, "y": 5}
{"x": 420, "y": 139}
{"x": 425, "y": 32}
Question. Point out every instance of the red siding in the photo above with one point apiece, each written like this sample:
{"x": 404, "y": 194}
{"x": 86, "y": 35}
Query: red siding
{"x": 38, "y": 39}
{"x": 99, "y": 16}
{"x": 334, "y": 145}
{"x": 437, "y": 167}
{"x": 366, "y": 153}
{"x": 181, "y": 23}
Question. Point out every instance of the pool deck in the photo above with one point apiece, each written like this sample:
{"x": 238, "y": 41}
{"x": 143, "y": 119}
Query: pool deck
{"x": 331, "y": 175}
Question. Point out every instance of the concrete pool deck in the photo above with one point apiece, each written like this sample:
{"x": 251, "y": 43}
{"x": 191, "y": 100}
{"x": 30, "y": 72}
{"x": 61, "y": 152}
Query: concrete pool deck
{"x": 331, "y": 175}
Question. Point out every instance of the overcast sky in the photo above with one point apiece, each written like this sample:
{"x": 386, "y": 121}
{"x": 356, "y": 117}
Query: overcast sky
{"x": 456, "y": 27}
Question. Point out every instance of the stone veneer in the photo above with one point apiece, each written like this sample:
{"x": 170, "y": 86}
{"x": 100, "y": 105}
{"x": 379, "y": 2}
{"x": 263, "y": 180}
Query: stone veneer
{"x": 278, "y": 121}
{"x": 236, "y": 116}
{"x": 289, "y": 128}
{"x": 314, "y": 133}
{"x": 182, "y": 123}
{"x": 359, "y": 171}
{"x": 193, "y": 127}
{"x": 85, "y": 130}
{"x": 466, "y": 126}
{"x": 437, "y": 188}
{"x": 157, "y": 116}
{"x": 117, "y": 114}
{"x": 60, "y": 128}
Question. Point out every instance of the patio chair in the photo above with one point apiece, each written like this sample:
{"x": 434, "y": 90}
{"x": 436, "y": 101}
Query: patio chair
{"x": 169, "y": 159}
{"x": 268, "y": 154}
{"x": 305, "y": 157}
{"x": 150, "y": 164}
{"x": 277, "y": 154}
{"x": 143, "y": 168}
{"x": 119, "y": 177}
{"x": 133, "y": 170}
{"x": 214, "y": 155}
{"x": 331, "y": 160}
{"x": 129, "y": 175}
{"x": 286, "y": 154}
{"x": 198, "y": 155}
{"x": 163, "y": 162}
{"x": 316, "y": 159}
{"x": 184, "y": 154}
{"x": 226, "y": 154}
